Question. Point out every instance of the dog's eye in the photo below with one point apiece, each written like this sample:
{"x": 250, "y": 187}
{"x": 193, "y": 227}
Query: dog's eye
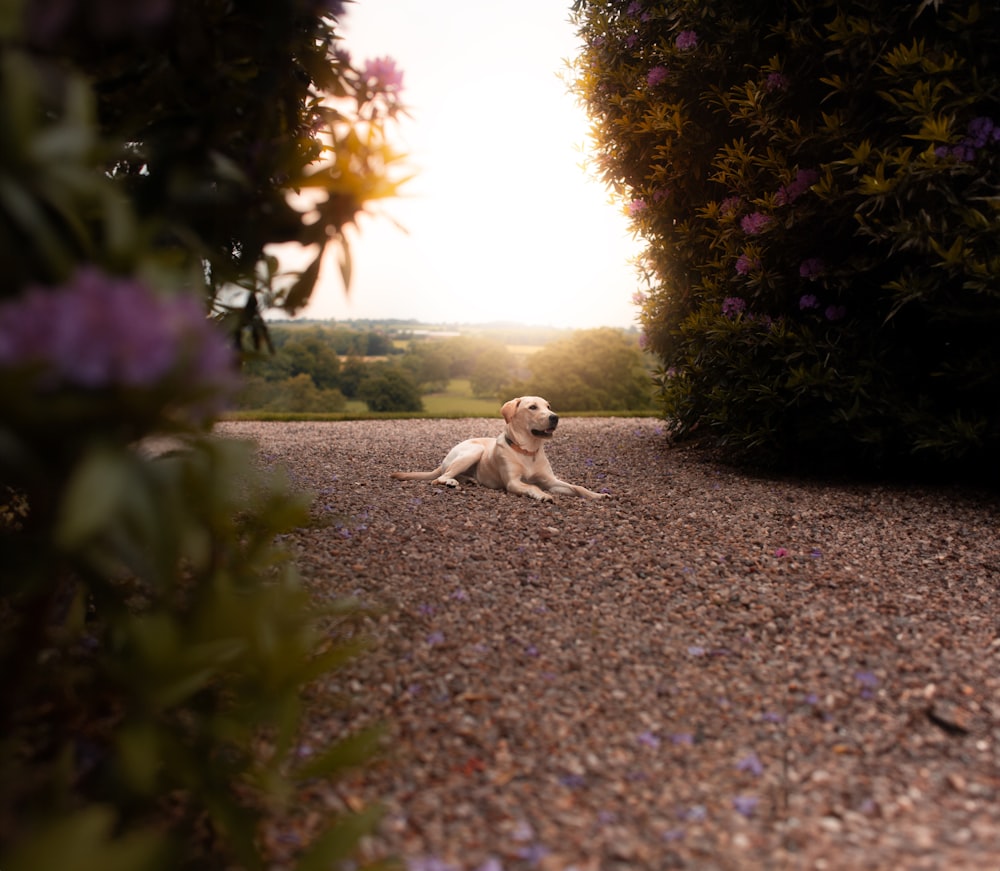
{"x": 532, "y": 407}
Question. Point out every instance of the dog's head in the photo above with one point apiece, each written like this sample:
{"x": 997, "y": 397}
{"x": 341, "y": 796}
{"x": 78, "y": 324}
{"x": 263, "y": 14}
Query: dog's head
{"x": 530, "y": 416}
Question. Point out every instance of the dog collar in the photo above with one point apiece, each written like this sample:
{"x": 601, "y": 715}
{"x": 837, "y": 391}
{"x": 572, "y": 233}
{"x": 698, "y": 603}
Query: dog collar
{"x": 517, "y": 447}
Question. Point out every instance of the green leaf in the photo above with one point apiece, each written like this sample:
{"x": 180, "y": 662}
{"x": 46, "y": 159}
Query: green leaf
{"x": 86, "y": 841}
{"x": 96, "y": 492}
{"x": 350, "y": 752}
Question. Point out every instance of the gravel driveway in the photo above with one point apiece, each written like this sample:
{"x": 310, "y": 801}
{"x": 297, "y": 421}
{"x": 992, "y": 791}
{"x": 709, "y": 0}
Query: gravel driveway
{"x": 710, "y": 671}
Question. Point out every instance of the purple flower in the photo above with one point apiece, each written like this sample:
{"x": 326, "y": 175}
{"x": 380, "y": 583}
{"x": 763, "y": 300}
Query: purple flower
{"x": 751, "y": 764}
{"x": 686, "y": 40}
{"x": 835, "y": 312}
{"x": 636, "y": 207}
{"x": 660, "y": 194}
{"x": 634, "y": 8}
{"x": 99, "y": 331}
{"x": 638, "y": 298}
{"x": 733, "y": 305}
{"x": 382, "y": 74}
{"x": 807, "y": 301}
{"x": 657, "y": 76}
{"x": 745, "y": 264}
{"x": 811, "y": 268}
{"x": 776, "y": 82}
{"x": 789, "y": 193}
{"x": 755, "y": 223}
{"x": 730, "y": 205}
{"x": 649, "y": 740}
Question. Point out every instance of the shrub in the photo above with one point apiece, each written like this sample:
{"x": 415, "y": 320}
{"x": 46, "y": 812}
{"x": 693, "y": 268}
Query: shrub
{"x": 390, "y": 388}
{"x": 816, "y": 185}
{"x": 589, "y": 370}
{"x": 154, "y": 636}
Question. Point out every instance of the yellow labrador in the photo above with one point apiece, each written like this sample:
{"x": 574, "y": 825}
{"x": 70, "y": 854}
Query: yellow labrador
{"x": 514, "y": 461}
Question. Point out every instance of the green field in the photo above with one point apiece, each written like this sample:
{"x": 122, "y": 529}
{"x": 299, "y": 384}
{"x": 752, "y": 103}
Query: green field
{"x": 456, "y": 401}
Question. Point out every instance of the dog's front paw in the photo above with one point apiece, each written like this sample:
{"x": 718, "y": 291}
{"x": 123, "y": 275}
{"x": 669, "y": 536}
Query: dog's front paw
{"x": 541, "y": 496}
{"x": 448, "y": 482}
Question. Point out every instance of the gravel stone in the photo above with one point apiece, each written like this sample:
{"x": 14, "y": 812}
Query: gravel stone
{"x": 711, "y": 670}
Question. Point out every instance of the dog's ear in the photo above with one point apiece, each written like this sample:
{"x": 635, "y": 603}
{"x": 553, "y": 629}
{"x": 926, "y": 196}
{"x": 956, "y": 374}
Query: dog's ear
{"x": 509, "y": 407}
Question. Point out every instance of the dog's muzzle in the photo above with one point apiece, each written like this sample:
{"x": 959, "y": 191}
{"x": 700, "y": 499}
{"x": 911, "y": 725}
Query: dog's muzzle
{"x": 547, "y": 433}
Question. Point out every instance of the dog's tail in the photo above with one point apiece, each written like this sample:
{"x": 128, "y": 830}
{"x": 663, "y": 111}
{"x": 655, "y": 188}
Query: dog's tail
{"x": 418, "y": 476}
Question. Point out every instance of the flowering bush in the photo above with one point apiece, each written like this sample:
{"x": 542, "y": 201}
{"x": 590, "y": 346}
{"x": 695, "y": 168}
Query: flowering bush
{"x": 823, "y": 274}
{"x": 155, "y": 636}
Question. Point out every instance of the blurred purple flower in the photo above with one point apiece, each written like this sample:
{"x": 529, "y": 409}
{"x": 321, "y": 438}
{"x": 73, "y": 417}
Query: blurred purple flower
{"x": 429, "y": 863}
{"x": 835, "y": 312}
{"x": 751, "y": 764}
{"x": 745, "y": 804}
{"x": 657, "y": 76}
{"x": 660, "y": 194}
{"x": 382, "y": 74}
{"x": 637, "y": 206}
{"x": 686, "y": 40}
{"x": 789, "y": 193}
{"x": 638, "y": 298}
{"x": 776, "y": 82}
{"x": 808, "y": 301}
{"x": 755, "y": 223}
{"x": 730, "y": 205}
{"x": 99, "y": 331}
{"x": 649, "y": 740}
{"x": 811, "y": 268}
{"x": 733, "y": 305}
{"x": 634, "y": 8}
{"x": 745, "y": 264}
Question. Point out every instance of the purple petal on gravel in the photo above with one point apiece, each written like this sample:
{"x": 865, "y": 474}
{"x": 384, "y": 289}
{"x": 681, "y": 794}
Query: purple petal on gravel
{"x": 491, "y": 864}
{"x": 746, "y": 804}
{"x": 682, "y": 739}
{"x": 751, "y": 764}
{"x": 429, "y": 863}
{"x": 695, "y": 814}
{"x": 696, "y": 650}
{"x": 435, "y": 638}
{"x": 649, "y": 739}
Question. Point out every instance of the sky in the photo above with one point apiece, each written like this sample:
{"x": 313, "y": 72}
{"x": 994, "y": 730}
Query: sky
{"x": 502, "y": 221}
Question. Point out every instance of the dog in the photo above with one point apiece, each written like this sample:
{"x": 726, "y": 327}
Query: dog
{"x": 514, "y": 461}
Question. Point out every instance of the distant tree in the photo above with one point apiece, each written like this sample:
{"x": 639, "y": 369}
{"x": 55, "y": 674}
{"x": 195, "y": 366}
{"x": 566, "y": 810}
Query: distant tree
{"x": 296, "y": 394}
{"x": 591, "y": 370}
{"x": 430, "y": 365}
{"x": 492, "y": 370}
{"x": 352, "y": 373}
{"x": 390, "y": 388}
{"x": 378, "y": 344}
{"x": 311, "y": 353}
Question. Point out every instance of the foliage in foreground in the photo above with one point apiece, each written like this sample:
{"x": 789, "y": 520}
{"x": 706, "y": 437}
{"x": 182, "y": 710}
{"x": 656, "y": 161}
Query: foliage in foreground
{"x": 154, "y": 637}
{"x": 816, "y": 182}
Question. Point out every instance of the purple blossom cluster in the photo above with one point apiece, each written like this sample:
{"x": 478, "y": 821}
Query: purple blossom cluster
{"x": 789, "y": 193}
{"x": 755, "y": 223}
{"x": 776, "y": 82}
{"x": 99, "y": 332}
{"x": 733, "y": 306}
{"x": 657, "y": 76}
{"x": 980, "y": 133}
{"x": 747, "y": 263}
{"x": 636, "y": 207}
{"x": 382, "y": 74}
{"x": 811, "y": 268}
{"x": 686, "y": 40}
